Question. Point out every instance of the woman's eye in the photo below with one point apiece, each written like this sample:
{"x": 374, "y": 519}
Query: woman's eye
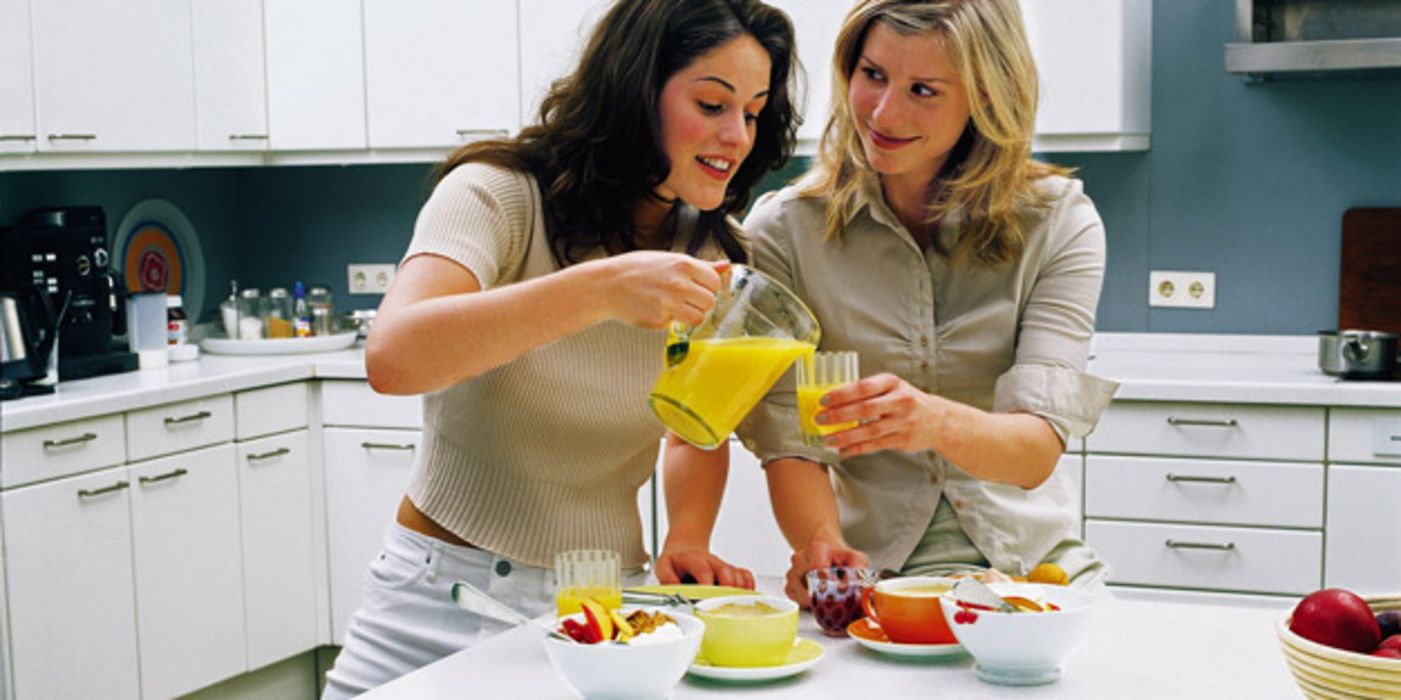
{"x": 711, "y": 107}
{"x": 923, "y": 90}
{"x": 873, "y": 74}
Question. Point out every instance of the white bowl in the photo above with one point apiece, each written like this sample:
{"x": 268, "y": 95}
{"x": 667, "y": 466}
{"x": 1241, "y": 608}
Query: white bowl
{"x": 1024, "y": 648}
{"x": 623, "y": 671}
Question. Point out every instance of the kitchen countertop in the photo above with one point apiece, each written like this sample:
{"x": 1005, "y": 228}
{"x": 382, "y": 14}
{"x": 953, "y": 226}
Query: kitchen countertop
{"x": 1150, "y": 367}
{"x": 1139, "y": 645}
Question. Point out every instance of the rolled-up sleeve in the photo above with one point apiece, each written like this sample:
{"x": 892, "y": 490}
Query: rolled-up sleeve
{"x": 477, "y": 217}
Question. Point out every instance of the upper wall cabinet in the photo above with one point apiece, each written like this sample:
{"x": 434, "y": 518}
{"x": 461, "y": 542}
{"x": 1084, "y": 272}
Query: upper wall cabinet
{"x": 1095, "y": 60}
{"x": 315, "y": 74}
{"x": 552, "y": 35}
{"x": 440, "y": 72}
{"x": 113, "y": 76}
{"x": 231, "y": 105}
{"x": 17, "y": 132}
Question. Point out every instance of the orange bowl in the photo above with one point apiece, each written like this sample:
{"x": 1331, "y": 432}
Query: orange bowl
{"x": 1325, "y": 673}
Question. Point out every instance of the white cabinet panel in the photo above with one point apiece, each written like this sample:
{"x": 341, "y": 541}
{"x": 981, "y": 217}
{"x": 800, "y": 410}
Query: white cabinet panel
{"x": 354, "y": 403}
{"x": 17, "y": 133}
{"x": 71, "y": 594}
{"x": 1216, "y": 558}
{"x": 114, "y": 76}
{"x": 1239, "y": 492}
{"x": 189, "y": 578}
{"x": 1210, "y": 430}
{"x": 428, "y": 86}
{"x": 230, "y": 92}
{"x": 52, "y": 451}
{"x": 366, "y": 473}
{"x": 279, "y": 555}
{"x": 274, "y": 409}
{"x": 1370, "y": 435}
{"x": 163, "y": 430}
{"x": 315, "y": 74}
{"x": 815, "y": 23}
{"x": 1364, "y": 529}
{"x": 552, "y": 35}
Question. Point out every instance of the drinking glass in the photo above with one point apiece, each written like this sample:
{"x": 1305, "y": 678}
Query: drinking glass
{"x": 587, "y": 573}
{"x": 817, "y": 375}
{"x": 836, "y": 596}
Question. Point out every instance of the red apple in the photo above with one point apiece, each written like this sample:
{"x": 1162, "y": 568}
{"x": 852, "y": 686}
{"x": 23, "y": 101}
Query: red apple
{"x": 1392, "y": 642}
{"x": 1388, "y": 653}
{"x": 1337, "y": 618}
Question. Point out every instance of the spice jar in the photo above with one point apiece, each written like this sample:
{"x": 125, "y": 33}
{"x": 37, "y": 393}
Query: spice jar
{"x": 318, "y": 299}
{"x": 177, "y": 324}
{"x": 279, "y": 313}
{"x": 251, "y": 314}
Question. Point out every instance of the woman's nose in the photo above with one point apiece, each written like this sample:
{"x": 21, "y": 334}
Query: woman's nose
{"x": 735, "y": 131}
{"x": 886, "y": 108}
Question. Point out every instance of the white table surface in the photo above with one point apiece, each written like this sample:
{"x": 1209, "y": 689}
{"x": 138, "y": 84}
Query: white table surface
{"x": 1139, "y": 645}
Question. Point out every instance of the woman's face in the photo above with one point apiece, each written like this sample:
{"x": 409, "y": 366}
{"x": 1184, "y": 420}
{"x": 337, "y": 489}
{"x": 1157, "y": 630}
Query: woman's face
{"x": 909, "y": 103}
{"x": 708, "y": 114}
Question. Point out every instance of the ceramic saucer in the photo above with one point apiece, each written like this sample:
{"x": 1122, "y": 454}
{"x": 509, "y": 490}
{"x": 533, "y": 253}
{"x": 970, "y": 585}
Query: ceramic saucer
{"x": 805, "y": 654}
{"x": 874, "y": 638}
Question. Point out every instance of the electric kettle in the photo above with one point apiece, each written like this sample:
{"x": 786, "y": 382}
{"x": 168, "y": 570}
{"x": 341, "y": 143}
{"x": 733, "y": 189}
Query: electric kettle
{"x": 27, "y": 332}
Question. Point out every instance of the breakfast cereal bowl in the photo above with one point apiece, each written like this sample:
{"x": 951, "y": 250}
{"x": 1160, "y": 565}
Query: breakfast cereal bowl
{"x": 748, "y": 630}
{"x": 1022, "y": 648}
{"x": 641, "y": 668}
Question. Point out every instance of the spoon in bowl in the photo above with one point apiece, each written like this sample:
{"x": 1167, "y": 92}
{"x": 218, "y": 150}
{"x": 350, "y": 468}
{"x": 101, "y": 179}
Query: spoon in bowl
{"x": 473, "y": 599}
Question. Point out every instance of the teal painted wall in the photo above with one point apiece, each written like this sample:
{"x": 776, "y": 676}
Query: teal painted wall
{"x": 1247, "y": 180}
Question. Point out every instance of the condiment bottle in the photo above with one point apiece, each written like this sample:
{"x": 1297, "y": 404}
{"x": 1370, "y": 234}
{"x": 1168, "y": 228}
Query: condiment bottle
{"x": 250, "y": 314}
{"x": 301, "y": 317}
{"x": 279, "y": 314}
{"x": 177, "y": 325}
{"x": 318, "y": 299}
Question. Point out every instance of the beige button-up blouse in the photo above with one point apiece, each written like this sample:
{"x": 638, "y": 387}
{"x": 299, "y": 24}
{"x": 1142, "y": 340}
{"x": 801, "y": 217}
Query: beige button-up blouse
{"x": 1008, "y": 338}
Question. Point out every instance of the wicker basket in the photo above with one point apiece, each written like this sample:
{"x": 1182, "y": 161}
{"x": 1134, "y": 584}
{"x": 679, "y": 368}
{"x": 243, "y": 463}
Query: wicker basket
{"x": 1325, "y": 673}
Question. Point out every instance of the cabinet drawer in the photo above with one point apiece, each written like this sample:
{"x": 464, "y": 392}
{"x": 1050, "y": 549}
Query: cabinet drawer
{"x": 177, "y": 427}
{"x": 1210, "y": 430}
{"x": 1218, "y": 558}
{"x": 61, "y": 449}
{"x": 1364, "y": 435}
{"x": 355, "y": 404}
{"x": 275, "y": 409}
{"x": 1280, "y": 494}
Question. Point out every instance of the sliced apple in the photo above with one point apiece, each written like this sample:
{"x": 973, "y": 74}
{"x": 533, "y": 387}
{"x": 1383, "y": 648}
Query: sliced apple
{"x": 625, "y": 630}
{"x": 598, "y": 618}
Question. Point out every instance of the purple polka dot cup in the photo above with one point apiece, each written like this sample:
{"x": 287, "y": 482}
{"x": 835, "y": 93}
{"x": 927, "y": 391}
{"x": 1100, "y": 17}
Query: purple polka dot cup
{"x": 836, "y": 596}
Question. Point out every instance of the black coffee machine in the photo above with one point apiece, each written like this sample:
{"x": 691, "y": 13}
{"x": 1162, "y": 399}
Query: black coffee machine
{"x": 61, "y": 252}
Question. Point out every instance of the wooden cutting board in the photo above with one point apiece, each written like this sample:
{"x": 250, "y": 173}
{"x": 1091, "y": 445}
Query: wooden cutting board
{"x": 1370, "y": 293}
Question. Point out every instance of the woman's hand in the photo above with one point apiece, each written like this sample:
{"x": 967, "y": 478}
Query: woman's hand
{"x": 651, "y": 289}
{"x": 678, "y": 562}
{"x": 893, "y": 415}
{"x": 819, "y": 554}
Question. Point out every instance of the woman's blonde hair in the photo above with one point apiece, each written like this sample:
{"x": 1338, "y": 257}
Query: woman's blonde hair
{"x": 989, "y": 177}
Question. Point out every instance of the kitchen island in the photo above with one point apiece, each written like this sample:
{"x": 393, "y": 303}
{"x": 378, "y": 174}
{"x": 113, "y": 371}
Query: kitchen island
{"x": 1140, "y": 645}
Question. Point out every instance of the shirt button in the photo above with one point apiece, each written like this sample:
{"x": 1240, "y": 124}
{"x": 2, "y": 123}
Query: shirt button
{"x": 924, "y": 341}
{"x": 503, "y": 568}
{"x": 933, "y": 478}
{"x": 924, "y": 366}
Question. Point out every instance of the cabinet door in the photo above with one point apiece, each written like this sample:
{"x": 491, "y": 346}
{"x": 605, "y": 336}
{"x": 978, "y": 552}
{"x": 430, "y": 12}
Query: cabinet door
{"x": 1363, "y": 552}
{"x": 189, "y": 575}
{"x": 230, "y": 93}
{"x": 440, "y": 72}
{"x": 279, "y": 556}
{"x": 815, "y": 23}
{"x": 17, "y": 134}
{"x": 315, "y": 74}
{"x": 553, "y": 33}
{"x": 366, "y": 472}
{"x": 114, "y": 76}
{"x": 72, "y": 602}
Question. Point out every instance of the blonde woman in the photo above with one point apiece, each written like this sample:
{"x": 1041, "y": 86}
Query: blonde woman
{"x": 966, "y": 275}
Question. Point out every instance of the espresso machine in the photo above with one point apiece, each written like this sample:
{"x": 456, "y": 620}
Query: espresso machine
{"x": 60, "y": 253}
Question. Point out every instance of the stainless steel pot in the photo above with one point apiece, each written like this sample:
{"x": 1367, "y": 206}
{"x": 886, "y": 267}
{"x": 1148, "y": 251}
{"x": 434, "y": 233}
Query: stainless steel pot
{"x": 1357, "y": 354}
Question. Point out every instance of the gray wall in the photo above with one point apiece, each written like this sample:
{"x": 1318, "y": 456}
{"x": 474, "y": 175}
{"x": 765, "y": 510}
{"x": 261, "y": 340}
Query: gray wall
{"x": 1247, "y": 180}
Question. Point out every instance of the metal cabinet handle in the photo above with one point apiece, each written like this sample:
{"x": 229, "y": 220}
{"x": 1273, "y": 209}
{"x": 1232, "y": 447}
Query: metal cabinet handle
{"x": 188, "y": 419}
{"x": 72, "y": 137}
{"x": 1202, "y": 479}
{"x": 387, "y": 446}
{"x": 1174, "y": 544}
{"x": 89, "y": 493}
{"x": 248, "y": 137}
{"x": 18, "y": 137}
{"x": 163, "y": 477}
{"x": 1225, "y": 423}
{"x": 482, "y": 132}
{"x": 269, "y": 455}
{"x": 65, "y": 442}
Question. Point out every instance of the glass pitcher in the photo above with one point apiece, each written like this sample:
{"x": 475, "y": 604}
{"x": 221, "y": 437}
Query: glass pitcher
{"x": 718, "y": 371}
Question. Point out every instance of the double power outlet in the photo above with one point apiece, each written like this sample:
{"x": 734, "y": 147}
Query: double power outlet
{"x": 370, "y": 279}
{"x": 1188, "y": 290}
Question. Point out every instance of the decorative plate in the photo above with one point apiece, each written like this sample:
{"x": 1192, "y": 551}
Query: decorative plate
{"x": 804, "y": 655}
{"x": 156, "y": 250}
{"x": 874, "y": 638}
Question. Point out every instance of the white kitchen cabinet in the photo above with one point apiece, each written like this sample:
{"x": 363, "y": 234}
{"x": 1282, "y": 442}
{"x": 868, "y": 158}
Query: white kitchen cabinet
{"x": 188, "y": 565}
{"x": 71, "y": 596}
{"x": 17, "y": 133}
{"x": 315, "y": 74}
{"x": 1095, "y": 63}
{"x": 62, "y": 449}
{"x": 552, "y": 35}
{"x": 176, "y": 427}
{"x": 1364, "y": 528}
{"x": 816, "y": 23}
{"x": 113, "y": 76}
{"x": 440, "y": 72}
{"x": 230, "y": 92}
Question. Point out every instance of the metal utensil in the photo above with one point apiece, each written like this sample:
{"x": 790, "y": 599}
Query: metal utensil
{"x": 671, "y": 600}
{"x": 975, "y": 592}
{"x": 473, "y": 599}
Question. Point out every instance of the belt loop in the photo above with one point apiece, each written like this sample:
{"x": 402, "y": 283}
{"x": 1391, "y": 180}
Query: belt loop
{"x": 435, "y": 556}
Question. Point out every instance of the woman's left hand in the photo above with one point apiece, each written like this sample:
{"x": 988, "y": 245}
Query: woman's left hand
{"x": 893, "y": 415}
{"x": 678, "y": 563}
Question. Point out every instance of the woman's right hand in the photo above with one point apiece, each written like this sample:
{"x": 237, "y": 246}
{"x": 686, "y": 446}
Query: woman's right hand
{"x": 651, "y": 289}
{"x": 819, "y": 554}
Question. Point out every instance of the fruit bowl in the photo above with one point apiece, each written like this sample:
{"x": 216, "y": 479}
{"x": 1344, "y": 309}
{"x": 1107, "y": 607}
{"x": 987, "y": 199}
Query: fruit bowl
{"x": 1324, "y": 672}
{"x": 1022, "y": 648}
{"x": 621, "y": 671}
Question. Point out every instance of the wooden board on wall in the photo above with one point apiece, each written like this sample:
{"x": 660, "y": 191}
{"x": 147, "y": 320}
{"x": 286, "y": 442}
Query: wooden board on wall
{"x": 1369, "y": 297}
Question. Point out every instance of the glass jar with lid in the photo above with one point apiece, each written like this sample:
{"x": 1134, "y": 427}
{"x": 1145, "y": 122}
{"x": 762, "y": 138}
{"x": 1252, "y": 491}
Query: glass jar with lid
{"x": 318, "y": 300}
{"x": 279, "y": 313}
{"x": 252, "y": 314}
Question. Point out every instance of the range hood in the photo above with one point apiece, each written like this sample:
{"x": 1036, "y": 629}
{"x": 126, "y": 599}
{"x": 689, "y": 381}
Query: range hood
{"x": 1316, "y": 38}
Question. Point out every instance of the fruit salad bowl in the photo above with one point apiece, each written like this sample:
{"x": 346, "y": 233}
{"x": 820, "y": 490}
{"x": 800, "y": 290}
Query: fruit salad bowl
{"x": 1327, "y": 672}
{"x": 1022, "y": 647}
{"x": 641, "y": 668}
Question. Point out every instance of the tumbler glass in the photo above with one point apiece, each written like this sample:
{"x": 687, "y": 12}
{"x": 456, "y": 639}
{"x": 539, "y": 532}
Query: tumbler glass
{"x": 836, "y": 596}
{"x": 817, "y": 375}
{"x": 587, "y": 573}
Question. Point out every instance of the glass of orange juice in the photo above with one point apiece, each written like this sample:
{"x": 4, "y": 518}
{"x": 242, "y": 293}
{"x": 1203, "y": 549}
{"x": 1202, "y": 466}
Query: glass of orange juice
{"x": 818, "y": 374}
{"x": 587, "y": 573}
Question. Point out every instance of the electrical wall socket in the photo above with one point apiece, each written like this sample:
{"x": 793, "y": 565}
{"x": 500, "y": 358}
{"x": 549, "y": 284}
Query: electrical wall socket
{"x": 370, "y": 279}
{"x": 1187, "y": 290}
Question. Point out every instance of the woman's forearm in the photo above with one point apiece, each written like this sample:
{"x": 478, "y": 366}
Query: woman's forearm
{"x": 803, "y": 502}
{"x": 1013, "y": 448}
{"x": 694, "y": 484}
